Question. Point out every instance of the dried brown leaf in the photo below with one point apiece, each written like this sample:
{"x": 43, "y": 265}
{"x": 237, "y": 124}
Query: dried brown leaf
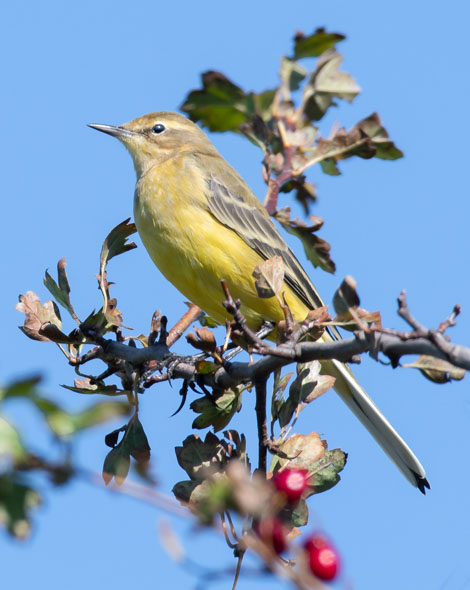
{"x": 36, "y": 315}
{"x": 269, "y": 277}
{"x": 204, "y": 339}
{"x": 316, "y": 249}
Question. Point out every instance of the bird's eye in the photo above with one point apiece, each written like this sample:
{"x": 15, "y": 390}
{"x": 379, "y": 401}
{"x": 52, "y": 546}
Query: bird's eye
{"x": 158, "y": 128}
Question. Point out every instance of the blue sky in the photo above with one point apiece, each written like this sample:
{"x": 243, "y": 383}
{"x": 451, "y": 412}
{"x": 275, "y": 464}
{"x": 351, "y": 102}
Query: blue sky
{"x": 392, "y": 226}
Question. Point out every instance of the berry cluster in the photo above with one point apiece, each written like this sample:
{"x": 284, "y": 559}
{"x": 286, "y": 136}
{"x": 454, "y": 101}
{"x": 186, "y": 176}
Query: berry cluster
{"x": 322, "y": 558}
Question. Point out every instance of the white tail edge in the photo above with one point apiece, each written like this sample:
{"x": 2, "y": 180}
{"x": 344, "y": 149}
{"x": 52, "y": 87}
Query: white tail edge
{"x": 379, "y": 427}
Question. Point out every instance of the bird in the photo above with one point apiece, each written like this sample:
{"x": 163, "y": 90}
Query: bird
{"x": 200, "y": 222}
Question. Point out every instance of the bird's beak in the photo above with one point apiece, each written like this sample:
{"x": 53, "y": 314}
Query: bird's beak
{"x": 119, "y": 132}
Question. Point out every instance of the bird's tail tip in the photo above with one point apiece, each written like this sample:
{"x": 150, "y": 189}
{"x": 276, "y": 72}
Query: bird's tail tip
{"x": 422, "y": 483}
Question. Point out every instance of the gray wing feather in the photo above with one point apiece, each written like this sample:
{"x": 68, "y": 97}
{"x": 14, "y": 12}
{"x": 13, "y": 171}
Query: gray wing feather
{"x": 255, "y": 227}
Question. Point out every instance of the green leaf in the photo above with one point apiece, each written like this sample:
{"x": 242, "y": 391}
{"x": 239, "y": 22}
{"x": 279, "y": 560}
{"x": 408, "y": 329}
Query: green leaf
{"x": 292, "y": 74}
{"x": 328, "y": 166}
{"x": 324, "y": 473}
{"x": 116, "y": 242}
{"x": 296, "y": 515}
{"x": 183, "y": 490}
{"x": 114, "y": 245}
{"x": 372, "y": 127}
{"x": 134, "y": 444}
{"x": 325, "y": 84}
{"x": 21, "y": 388}
{"x": 61, "y": 291}
{"x": 99, "y": 413}
{"x": 11, "y": 447}
{"x": 205, "y": 499}
{"x": 219, "y": 412}
{"x": 206, "y": 321}
{"x": 116, "y": 464}
{"x": 329, "y": 80}
{"x": 195, "y": 456}
{"x": 16, "y": 503}
{"x": 65, "y": 424}
{"x": 221, "y": 105}
{"x": 136, "y": 441}
{"x": 315, "y": 44}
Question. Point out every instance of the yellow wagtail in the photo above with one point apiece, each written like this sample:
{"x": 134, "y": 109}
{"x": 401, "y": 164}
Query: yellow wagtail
{"x": 200, "y": 222}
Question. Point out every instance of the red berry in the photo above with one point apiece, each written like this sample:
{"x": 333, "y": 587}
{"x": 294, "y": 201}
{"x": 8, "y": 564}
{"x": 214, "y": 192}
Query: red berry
{"x": 323, "y": 558}
{"x": 291, "y": 482}
{"x": 272, "y": 532}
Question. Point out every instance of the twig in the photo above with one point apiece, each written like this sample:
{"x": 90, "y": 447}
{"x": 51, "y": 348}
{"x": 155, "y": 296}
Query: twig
{"x": 183, "y": 324}
{"x": 450, "y": 321}
{"x": 238, "y": 570}
{"x": 263, "y": 437}
{"x": 224, "y": 529}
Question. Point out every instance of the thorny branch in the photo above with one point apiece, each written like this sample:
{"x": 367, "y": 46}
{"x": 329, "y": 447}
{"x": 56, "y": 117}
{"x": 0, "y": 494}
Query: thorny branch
{"x": 391, "y": 343}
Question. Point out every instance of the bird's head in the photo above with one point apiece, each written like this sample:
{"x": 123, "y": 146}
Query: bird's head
{"x": 153, "y": 138}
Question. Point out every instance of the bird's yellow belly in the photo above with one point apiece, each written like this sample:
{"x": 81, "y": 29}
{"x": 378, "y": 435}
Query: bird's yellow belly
{"x": 194, "y": 252}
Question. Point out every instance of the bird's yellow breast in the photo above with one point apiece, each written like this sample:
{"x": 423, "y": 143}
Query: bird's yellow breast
{"x": 192, "y": 249}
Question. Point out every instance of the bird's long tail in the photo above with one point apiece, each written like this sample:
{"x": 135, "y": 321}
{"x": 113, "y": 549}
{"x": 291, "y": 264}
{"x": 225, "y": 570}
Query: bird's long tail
{"x": 371, "y": 417}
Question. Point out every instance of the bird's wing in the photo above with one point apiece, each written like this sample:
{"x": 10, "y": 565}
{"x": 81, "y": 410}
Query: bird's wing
{"x": 237, "y": 208}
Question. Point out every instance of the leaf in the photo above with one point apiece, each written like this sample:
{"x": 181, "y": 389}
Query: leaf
{"x": 206, "y": 321}
{"x": 204, "y": 340}
{"x": 86, "y": 387}
{"x": 307, "y": 386}
{"x": 316, "y": 249}
{"x": 328, "y": 165}
{"x": 324, "y": 85}
{"x": 291, "y": 74}
{"x": 367, "y": 139}
{"x": 116, "y": 464}
{"x": 346, "y": 297}
{"x": 304, "y": 192}
{"x": 21, "y": 388}
{"x": 11, "y": 447}
{"x": 16, "y": 503}
{"x": 183, "y": 490}
{"x": 221, "y": 105}
{"x": 329, "y": 80}
{"x": 116, "y": 242}
{"x": 372, "y": 127}
{"x": 52, "y": 333}
{"x": 196, "y": 456}
{"x": 269, "y": 277}
{"x": 311, "y": 453}
{"x": 136, "y": 441}
{"x": 206, "y": 499}
{"x": 217, "y": 412}
{"x": 61, "y": 291}
{"x": 437, "y": 370}
{"x": 325, "y": 471}
{"x": 134, "y": 444}
{"x": 315, "y": 44}
{"x": 99, "y": 413}
{"x": 36, "y": 315}
{"x": 346, "y": 303}
{"x": 295, "y": 515}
